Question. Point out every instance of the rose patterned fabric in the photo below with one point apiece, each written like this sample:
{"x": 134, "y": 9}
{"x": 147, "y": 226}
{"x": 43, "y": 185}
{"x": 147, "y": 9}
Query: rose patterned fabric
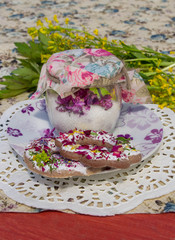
{"x": 70, "y": 70}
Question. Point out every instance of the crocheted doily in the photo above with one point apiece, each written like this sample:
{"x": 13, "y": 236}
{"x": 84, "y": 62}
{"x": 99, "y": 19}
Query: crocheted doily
{"x": 100, "y": 195}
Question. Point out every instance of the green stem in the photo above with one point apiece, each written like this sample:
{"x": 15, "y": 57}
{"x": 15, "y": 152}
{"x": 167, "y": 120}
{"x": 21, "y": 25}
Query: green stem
{"x": 141, "y": 59}
{"x": 166, "y": 68}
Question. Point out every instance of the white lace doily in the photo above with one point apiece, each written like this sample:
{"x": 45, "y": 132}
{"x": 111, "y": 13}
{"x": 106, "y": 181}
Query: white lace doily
{"x": 101, "y": 195}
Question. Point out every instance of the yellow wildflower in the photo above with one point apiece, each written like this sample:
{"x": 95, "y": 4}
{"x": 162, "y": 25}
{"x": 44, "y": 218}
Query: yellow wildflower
{"x": 115, "y": 42}
{"x": 33, "y": 32}
{"x": 96, "y": 32}
{"x": 169, "y": 90}
{"x": 52, "y": 48}
{"x": 39, "y": 23}
{"x": 165, "y": 86}
{"x": 160, "y": 77}
{"x": 72, "y": 35}
{"x": 45, "y": 57}
{"x": 56, "y": 36}
{"x": 66, "y": 21}
{"x": 55, "y": 18}
{"x": 158, "y": 70}
{"x": 139, "y": 63}
{"x": 47, "y": 20}
{"x": 162, "y": 105}
{"x": 153, "y": 97}
{"x": 73, "y": 147}
{"x": 43, "y": 30}
{"x": 159, "y": 62}
{"x": 91, "y": 37}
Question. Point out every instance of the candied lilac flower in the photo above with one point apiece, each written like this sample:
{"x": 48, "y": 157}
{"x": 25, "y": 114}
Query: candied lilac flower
{"x": 87, "y": 132}
{"x": 14, "y": 132}
{"x": 83, "y": 147}
{"x": 116, "y": 148}
{"x": 117, "y": 154}
{"x": 48, "y": 133}
{"x": 77, "y": 106}
{"x": 127, "y": 136}
{"x": 37, "y": 149}
{"x": 61, "y": 109}
{"x": 82, "y": 93}
{"x": 28, "y": 109}
{"x": 100, "y": 148}
{"x": 64, "y": 101}
{"x": 81, "y": 152}
{"x": 88, "y": 156}
{"x": 92, "y": 99}
{"x": 70, "y": 131}
{"x": 82, "y": 101}
{"x": 67, "y": 142}
{"x": 106, "y": 102}
{"x": 56, "y": 164}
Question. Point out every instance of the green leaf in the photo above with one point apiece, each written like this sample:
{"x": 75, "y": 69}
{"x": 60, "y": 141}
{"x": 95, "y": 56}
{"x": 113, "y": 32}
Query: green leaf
{"x": 43, "y": 39}
{"x": 34, "y": 83}
{"x": 13, "y": 78}
{"x": 31, "y": 64}
{"x": 24, "y": 71}
{"x": 94, "y": 133}
{"x": 95, "y": 91}
{"x": 23, "y": 49}
{"x": 6, "y": 93}
{"x": 104, "y": 91}
{"x": 15, "y": 84}
{"x": 35, "y": 51}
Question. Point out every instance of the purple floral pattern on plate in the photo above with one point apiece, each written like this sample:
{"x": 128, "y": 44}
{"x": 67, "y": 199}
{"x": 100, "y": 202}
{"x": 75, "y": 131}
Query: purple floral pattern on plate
{"x": 155, "y": 136}
{"x": 141, "y": 118}
{"x": 136, "y": 120}
{"x": 146, "y": 148}
{"x": 14, "y": 132}
{"x": 41, "y": 105}
{"x": 28, "y": 109}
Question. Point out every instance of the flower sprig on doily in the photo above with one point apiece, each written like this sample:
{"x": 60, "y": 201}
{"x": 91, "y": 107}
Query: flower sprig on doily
{"x": 49, "y": 37}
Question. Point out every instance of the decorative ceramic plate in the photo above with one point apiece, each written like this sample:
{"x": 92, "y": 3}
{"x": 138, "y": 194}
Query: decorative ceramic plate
{"x": 31, "y": 122}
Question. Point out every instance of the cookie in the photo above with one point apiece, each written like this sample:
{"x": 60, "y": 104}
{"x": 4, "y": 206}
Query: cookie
{"x": 86, "y": 137}
{"x": 98, "y": 149}
{"x": 42, "y": 156}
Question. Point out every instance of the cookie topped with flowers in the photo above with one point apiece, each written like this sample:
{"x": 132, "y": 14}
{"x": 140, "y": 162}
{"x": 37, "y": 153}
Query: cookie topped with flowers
{"x": 80, "y": 152}
{"x": 42, "y": 156}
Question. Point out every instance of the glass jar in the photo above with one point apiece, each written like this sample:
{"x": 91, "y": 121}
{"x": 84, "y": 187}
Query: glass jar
{"x": 94, "y": 108}
{"x": 83, "y": 89}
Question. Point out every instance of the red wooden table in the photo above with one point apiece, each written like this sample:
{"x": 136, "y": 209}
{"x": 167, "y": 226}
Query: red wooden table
{"x": 62, "y": 226}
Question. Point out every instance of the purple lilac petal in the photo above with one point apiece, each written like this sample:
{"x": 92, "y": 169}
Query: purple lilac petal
{"x": 49, "y": 133}
{"x": 127, "y": 136}
{"x": 81, "y": 101}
